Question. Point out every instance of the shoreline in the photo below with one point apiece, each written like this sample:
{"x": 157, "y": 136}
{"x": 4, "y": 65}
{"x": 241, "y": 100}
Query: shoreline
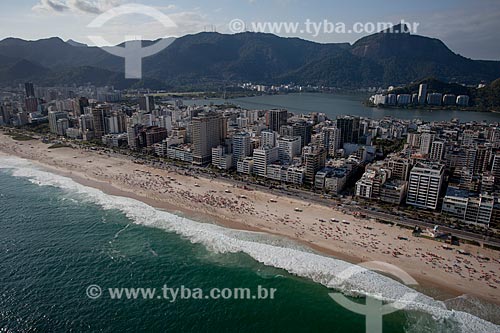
{"x": 424, "y": 284}
{"x": 429, "y": 109}
{"x": 256, "y": 213}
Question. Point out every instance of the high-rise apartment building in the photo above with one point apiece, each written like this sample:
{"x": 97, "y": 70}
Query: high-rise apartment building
{"x": 29, "y": 89}
{"x": 400, "y": 167}
{"x": 289, "y": 147}
{"x": 349, "y": 129}
{"x": 268, "y": 138}
{"x": 146, "y": 103}
{"x": 31, "y": 104}
{"x": 80, "y": 105}
{"x": 425, "y": 185}
{"x": 299, "y": 128}
{"x": 434, "y": 98}
{"x": 422, "y": 94}
{"x": 208, "y": 131}
{"x": 437, "y": 151}
{"x": 262, "y": 157}
{"x": 276, "y": 119}
{"x": 330, "y": 139}
{"x": 314, "y": 160}
{"x": 426, "y": 140}
{"x": 241, "y": 147}
{"x": 477, "y": 159}
{"x": 495, "y": 169}
{"x": 99, "y": 115}
{"x": 54, "y": 116}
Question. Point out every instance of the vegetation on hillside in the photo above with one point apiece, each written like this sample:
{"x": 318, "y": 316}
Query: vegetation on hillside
{"x": 211, "y": 60}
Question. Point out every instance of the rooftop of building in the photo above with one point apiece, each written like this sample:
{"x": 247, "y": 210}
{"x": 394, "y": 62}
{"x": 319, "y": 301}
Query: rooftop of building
{"x": 185, "y": 146}
{"x": 333, "y": 172}
{"x": 394, "y": 184}
{"x": 453, "y": 191}
{"x": 428, "y": 165}
{"x": 289, "y": 138}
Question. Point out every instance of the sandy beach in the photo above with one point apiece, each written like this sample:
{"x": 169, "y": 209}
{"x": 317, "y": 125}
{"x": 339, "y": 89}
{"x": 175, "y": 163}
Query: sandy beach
{"x": 356, "y": 240}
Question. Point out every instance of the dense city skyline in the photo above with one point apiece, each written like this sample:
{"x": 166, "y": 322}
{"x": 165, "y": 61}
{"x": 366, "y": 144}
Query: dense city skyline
{"x": 310, "y": 150}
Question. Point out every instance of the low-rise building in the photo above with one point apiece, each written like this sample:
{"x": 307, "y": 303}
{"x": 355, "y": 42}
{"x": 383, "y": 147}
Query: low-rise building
{"x": 115, "y": 140}
{"x": 331, "y": 180}
{"x": 369, "y": 185}
{"x": 245, "y": 166}
{"x": 468, "y": 208}
{"x": 220, "y": 159}
{"x": 287, "y": 174}
{"x": 181, "y": 153}
{"x": 394, "y": 191}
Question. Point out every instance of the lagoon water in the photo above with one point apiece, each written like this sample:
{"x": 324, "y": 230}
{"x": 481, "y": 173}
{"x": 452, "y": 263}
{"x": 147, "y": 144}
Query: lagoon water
{"x": 334, "y": 105}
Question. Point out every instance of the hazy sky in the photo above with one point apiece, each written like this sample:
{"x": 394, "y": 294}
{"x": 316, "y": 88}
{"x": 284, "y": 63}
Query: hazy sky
{"x": 468, "y": 27}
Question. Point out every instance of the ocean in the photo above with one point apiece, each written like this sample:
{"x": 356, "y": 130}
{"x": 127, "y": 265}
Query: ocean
{"x": 59, "y": 237}
{"x": 334, "y": 105}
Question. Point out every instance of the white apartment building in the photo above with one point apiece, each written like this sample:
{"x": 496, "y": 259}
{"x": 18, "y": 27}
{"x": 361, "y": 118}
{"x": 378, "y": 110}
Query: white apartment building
{"x": 371, "y": 182}
{"x": 241, "y": 146}
{"x": 289, "y": 147}
{"x": 474, "y": 210}
{"x": 293, "y": 175}
{"x": 330, "y": 139}
{"x": 220, "y": 159}
{"x": 245, "y": 166}
{"x": 263, "y": 157}
{"x": 425, "y": 185}
{"x": 426, "y": 140}
{"x": 268, "y": 138}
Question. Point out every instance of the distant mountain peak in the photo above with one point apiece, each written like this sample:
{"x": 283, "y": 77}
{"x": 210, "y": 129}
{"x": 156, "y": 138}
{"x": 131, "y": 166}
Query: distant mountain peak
{"x": 75, "y": 43}
{"x": 209, "y": 59}
{"x": 397, "y": 42}
{"x": 52, "y": 41}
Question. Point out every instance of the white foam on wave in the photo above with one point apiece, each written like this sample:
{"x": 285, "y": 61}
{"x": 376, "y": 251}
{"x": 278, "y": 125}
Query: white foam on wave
{"x": 265, "y": 249}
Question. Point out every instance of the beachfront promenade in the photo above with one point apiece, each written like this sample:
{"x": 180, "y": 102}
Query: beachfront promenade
{"x": 320, "y": 199}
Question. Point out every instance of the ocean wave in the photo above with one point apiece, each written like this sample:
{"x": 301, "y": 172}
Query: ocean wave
{"x": 266, "y": 249}
{"x": 475, "y": 306}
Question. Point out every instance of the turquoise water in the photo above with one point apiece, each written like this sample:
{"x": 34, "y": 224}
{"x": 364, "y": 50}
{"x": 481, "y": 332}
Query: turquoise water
{"x": 59, "y": 238}
{"x": 334, "y": 105}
